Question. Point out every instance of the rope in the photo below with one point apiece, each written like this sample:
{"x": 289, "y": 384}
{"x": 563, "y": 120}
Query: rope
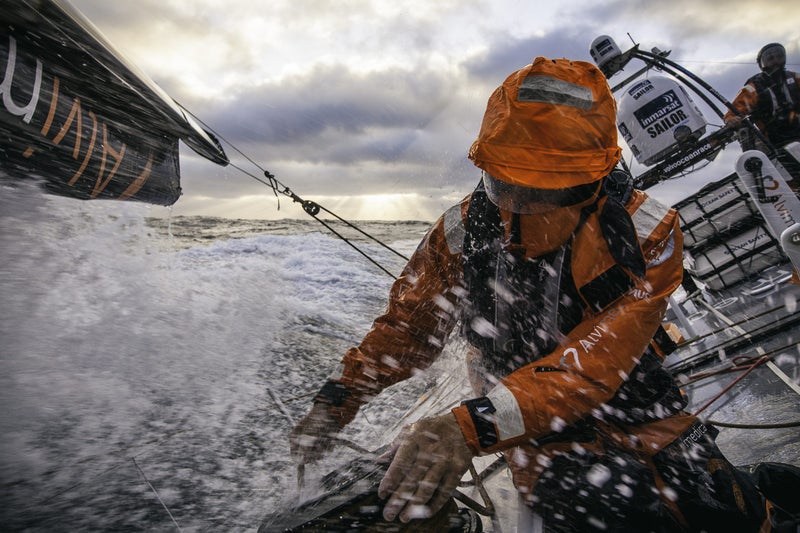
{"x": 755, "y": 426}
{"x": 761, "y": 360}
{"x": 487, "y": 509}
{"x": 737, "y": 364}
{"x": 747, "y": 364}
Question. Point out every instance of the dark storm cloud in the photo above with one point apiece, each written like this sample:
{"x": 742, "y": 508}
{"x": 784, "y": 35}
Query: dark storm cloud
{"x": 332, "y": 100}
{"x": 507, "y": 54}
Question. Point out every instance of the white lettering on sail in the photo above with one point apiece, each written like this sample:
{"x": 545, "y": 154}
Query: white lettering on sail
{"x": 26, "y": 111}
{"x": 94, "y": 143}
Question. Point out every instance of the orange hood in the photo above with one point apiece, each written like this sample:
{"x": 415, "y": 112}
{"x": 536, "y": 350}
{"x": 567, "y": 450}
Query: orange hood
{"x": 550, "y": 125}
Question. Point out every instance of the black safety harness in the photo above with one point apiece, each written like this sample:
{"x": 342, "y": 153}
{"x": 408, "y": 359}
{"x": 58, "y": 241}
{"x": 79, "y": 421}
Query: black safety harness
{"x": 519, "y": 308}
{"x": 540, "y": 288}
{"x": 778, "y": 105}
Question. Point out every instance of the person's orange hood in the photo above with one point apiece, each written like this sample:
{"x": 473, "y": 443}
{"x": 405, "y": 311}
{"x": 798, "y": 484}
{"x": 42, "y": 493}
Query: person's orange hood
{"x": 550, "y": 125}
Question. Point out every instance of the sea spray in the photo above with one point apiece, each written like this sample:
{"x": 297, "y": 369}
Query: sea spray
{"x": 122, "y": 342}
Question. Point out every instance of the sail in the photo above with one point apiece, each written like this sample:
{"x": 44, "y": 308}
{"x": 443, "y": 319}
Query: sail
{"x": 81, "y": 118}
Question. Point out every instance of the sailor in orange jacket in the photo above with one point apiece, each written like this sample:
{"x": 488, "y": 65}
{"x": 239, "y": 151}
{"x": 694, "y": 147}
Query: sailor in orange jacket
{"x": 771, "y": 98}
{"x": 558, "y": 272}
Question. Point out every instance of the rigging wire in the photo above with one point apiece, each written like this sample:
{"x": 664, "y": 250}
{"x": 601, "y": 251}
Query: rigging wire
{"x": 310, "y": 207}
{"x": 712, "y": 351}
{"x": 178, "y": 527}
{"x": 712, "y": 333}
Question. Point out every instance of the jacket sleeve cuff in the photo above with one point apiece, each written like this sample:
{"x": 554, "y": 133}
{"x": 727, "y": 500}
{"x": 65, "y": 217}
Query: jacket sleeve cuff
{"x": 477, "y": 422}
{"x": 491, "y": 423}
{"x": 467, "y": 429}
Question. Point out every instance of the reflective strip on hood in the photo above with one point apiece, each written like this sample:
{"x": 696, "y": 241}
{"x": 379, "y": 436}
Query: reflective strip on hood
{"x": 550, "y": 90}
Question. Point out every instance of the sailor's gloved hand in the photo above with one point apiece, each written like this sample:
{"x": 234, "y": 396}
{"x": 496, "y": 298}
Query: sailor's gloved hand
{"x": 734, "y": 122}
{"x": 426, "y": 469}
{"x": 312, "y": 436}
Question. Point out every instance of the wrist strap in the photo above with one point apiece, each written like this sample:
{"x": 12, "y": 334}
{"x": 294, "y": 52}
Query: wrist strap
{"x": 481, "y": 411}
{"x": 333, "y": 393}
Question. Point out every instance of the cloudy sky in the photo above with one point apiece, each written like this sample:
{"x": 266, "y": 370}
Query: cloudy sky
{"x": 369, "y": 106}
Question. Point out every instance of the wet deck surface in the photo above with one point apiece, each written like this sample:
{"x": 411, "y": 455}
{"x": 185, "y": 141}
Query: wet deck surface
{"x": 736, "y": 328}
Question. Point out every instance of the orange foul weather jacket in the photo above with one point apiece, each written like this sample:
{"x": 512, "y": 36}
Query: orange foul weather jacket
{"x": 574, "y": 381}
{"x": 773, "y": 105}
